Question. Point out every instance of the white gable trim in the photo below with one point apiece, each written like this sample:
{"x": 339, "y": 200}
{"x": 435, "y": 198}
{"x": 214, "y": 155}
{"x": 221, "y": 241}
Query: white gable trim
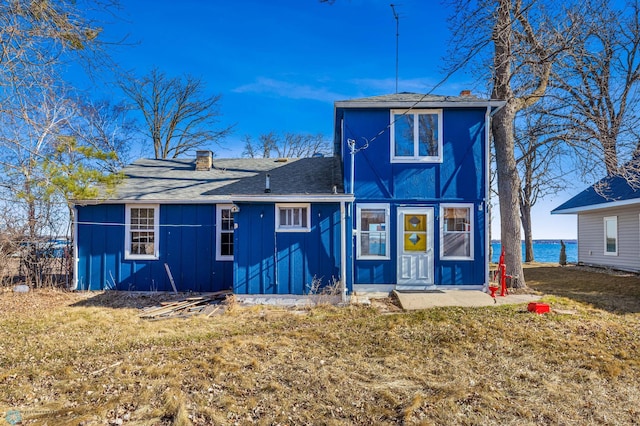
{"x": 593, "y": 207}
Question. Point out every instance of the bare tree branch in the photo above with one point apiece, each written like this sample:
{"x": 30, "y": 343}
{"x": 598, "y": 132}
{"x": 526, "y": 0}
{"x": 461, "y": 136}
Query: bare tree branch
{"x": 178, "y": 116}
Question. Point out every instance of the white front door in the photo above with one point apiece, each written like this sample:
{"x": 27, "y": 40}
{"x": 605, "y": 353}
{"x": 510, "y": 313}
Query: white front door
{"x": 415, "y": 247}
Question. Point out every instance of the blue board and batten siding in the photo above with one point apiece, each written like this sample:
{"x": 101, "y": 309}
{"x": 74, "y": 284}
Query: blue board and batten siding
{"x": 187, "y": 245}
{"x": 459, "y": 178}
{"x": 270, "y": 262}
{"x": 265, "y": 261}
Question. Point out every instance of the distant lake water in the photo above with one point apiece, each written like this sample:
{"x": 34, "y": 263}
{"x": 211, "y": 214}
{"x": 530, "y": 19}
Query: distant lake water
{"x": 547, "y": 251}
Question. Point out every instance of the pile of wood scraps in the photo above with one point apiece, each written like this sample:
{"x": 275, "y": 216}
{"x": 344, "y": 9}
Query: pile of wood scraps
{"x": 208, "y": 305}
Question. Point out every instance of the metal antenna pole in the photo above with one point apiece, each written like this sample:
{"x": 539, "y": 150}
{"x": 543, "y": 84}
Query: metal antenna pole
{"x": 397, "y": 18}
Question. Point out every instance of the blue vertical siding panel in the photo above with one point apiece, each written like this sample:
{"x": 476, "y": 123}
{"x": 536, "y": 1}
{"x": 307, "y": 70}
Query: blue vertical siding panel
{"x": 462, "y": 169}
{"x": 100, "y": 242}
{"x": 205, "y": 253}
{"x": 415, "y": 183}
{"x": 372, "y": 168}
{"x": 189, "y": 251}
{"x": 170, "y": 247}
{"x": 254, "y": 268}
{"x": 267, "y": 262}
{"x": 188, "y": 242}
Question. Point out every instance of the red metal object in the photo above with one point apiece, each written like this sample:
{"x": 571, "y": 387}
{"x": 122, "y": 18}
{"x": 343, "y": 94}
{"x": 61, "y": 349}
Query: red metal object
{"x": 538, "y": 308}
{"x": 502, "y": 267}
{"x": 492, "y": 290}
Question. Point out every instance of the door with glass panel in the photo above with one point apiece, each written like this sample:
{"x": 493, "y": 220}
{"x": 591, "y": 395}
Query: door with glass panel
{"x": 415, "y": 247}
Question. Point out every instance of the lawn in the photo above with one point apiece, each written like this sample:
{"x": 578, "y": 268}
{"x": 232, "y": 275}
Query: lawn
{"x": 70, "y": 358}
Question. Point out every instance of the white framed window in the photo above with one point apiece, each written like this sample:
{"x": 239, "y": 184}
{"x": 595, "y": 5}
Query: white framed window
{"x": 142, "y": 231}
{"x": 416, "y": 136}
{"x": 611, "y": 235}
{"x": 456, "y": 231}
{"x": 373, "y": 231}
{"x": 293, "y": 217}
{"x": 224, "y": 232}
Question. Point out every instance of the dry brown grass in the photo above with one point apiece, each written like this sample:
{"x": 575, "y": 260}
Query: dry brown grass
{"x": 75, "y": 359}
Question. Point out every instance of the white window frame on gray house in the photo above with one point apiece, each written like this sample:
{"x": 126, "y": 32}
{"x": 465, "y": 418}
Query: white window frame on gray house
{"x": 142, "y": 232}
{"x": 370, "y": 231}
{"x": 225, "y": 227}
{"x": 405, "y": 121}
{"x": 293, "y": 217}
{"x": 608, "y": 235}
{"x": 457, "y": 230}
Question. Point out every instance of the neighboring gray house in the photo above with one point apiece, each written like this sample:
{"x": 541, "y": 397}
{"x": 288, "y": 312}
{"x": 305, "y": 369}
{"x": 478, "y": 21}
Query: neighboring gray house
{"x": 608, "y": 224}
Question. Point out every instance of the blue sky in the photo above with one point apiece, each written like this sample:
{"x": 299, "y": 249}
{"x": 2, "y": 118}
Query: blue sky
{"x": 281, "y": 64}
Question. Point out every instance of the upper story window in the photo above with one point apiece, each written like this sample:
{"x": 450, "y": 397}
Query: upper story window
{"x": 293, "y": 217}
{"x": 141, "y": 231}
{"x": 611, "y": 235}
{"x": 416, "y": 136}
{"x": 456, "y": 231}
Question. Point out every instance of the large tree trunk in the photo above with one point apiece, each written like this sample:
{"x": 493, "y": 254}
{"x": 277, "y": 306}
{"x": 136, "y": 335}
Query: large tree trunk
{"x": 525, "y": 214}
{"x": 503, "y": 139}
{"x": 508, "y": 193}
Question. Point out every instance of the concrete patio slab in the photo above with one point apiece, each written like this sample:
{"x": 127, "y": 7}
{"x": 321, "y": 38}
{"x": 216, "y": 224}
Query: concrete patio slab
{"x": 464, "y": 298}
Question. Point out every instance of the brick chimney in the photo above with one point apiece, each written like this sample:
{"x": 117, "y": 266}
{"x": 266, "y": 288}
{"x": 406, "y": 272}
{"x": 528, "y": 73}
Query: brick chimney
{"x": 204, "y": 160}
{"x": 465, "y": 93}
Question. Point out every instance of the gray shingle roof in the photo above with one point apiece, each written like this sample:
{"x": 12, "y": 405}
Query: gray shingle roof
{"x": 177, "y": 180}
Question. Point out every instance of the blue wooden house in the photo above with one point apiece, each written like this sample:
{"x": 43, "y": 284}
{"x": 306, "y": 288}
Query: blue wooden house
{"x": 401, "y": 204}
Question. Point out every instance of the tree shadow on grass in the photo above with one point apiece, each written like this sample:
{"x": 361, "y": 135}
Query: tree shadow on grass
{"x": 614, "y": 292}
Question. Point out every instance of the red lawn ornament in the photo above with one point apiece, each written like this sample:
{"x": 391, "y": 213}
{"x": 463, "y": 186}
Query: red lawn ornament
{"x": 502, "y": 267}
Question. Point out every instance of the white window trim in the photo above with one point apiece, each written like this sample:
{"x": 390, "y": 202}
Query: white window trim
{"x": 615, "y": 220}
{"x": 387, "y": 216}
{"x": 472, "y": 230}
{"x": 280, "y": 228}
{"x": 219, "y": 255}
{"x": 127, "y": 232}
{"x": 416, "y": 158}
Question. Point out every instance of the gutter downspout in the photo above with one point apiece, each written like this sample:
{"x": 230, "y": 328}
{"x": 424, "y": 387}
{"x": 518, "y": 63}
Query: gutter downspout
{"x": 75, "y": 249}
{"x": 352, "y": 150}
{"x": 343, "y": 250}
{"x": 487, "y": 198}
{"x": 487, "y": 201}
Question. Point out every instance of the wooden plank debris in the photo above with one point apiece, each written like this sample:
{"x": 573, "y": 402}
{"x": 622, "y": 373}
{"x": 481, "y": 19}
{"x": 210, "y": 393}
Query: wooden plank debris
{"x": 207, "y": 304}
{"x": 173, "y": 284}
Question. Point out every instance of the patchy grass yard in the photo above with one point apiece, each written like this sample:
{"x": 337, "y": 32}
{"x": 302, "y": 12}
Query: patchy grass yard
{"x": 68, "y": 358}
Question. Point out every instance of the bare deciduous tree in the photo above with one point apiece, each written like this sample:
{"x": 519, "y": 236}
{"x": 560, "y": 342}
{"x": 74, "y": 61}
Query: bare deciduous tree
{"x": 107, "y": 128}
{"x": 178, "y": 115}
{"x": 540, "y": 158}
{"x": 288, "y": 145}
{"x": 599, "y": 82}
{"x": 36, "y": 39}
{"x": 527, "y": 37}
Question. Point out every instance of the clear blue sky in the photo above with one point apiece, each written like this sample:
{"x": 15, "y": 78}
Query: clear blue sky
{"x": 281, "y": 64}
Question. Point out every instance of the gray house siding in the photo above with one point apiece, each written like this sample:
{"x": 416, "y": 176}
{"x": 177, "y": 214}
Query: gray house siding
{"x": 591, "y": 244}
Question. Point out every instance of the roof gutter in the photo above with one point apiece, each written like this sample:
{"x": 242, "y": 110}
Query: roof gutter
{"x": 412, "y": 104}
{"x": 328, "y": 198}
{"x": 594, "y": 207}
{"x": 294, "y": 198}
